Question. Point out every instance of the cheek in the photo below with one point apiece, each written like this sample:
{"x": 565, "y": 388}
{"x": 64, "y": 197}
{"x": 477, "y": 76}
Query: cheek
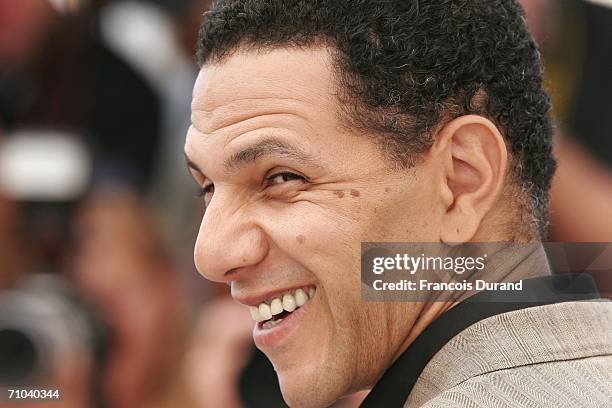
{"x": 318, "y": 237}
{"x": 326, "y": 245}
{"x": 409, "y": 216}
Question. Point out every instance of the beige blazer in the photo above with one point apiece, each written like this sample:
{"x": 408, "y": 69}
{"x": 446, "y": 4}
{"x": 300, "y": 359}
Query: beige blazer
{"x": 558, "y": 355}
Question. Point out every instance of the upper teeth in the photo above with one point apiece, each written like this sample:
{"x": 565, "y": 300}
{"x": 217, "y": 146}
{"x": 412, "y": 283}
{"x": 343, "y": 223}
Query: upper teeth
{"x": 288, "y": 302}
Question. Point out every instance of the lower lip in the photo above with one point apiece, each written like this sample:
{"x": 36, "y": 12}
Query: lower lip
{"x": 271, "y": 338}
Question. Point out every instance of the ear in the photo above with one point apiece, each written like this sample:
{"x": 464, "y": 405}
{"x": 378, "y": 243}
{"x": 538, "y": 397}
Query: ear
{"x": 474, "y": 160}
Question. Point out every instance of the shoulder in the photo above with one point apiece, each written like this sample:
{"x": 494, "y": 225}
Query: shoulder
{"x": 543, "y": 350}
{"x": 585, "y": 382}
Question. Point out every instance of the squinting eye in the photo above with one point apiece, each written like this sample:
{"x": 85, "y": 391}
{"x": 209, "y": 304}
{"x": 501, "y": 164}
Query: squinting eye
{"x": 206, "y": 193}
{"x": 284, "y": 177}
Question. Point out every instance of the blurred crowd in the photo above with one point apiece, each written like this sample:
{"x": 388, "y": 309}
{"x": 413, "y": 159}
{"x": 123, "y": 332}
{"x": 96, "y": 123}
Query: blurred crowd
{"x": 98, "y": 214}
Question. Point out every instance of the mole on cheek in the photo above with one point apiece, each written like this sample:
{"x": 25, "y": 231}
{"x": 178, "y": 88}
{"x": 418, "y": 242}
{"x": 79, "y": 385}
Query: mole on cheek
{"x": 355, "y": 193}
{"x": 339, "y": 193}
{"x": 387, "y": 190}
{"x": 300, "y": 239}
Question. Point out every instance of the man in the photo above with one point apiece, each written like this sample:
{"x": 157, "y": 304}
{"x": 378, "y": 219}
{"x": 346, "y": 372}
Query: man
{"x": 319, "y": 125}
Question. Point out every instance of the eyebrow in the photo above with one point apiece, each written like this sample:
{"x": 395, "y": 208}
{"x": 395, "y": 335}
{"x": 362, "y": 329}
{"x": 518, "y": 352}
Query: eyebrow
{"x": 269, "y": 147}
{"x": 192, "y": 165}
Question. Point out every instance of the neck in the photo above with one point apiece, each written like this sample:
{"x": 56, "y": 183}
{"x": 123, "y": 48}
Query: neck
{"x": 508, "y": 263}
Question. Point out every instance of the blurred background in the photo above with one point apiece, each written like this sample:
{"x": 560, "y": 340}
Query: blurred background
{"x": 98, "y": 215}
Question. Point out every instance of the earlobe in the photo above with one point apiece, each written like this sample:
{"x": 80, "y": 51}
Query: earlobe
{"x": 475, "y": 173}
{"x": 460, "y": 226}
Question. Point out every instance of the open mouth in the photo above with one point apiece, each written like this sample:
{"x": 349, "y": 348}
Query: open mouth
{"x": 273, "y": 311}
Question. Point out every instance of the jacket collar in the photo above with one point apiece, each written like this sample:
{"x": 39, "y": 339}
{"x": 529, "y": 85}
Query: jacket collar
{"x": 468, "y": 351}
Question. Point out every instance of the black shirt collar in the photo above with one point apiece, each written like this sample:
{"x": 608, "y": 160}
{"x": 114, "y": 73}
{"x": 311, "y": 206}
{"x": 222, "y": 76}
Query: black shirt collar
{"x": 393, "y": 388}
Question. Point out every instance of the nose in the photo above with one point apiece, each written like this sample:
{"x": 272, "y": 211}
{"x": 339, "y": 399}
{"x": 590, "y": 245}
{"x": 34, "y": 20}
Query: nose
{"x": 228, "y": 242}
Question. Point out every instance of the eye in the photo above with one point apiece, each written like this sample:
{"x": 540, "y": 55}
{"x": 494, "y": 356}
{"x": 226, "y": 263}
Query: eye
{"x": 206, "y": 192}
{"x": 284, "y": 177}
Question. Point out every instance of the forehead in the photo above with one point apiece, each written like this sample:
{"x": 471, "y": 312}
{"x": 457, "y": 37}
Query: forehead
{"x": 250, "y": 83}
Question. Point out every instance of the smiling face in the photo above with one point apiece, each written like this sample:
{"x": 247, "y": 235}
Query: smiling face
{"x": 291, "y": 193}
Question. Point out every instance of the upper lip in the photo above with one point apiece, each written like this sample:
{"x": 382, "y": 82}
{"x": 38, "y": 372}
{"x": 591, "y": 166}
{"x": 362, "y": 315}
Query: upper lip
{"x": 257, "y": 299}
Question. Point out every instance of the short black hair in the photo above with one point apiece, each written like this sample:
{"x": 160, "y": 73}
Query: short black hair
{"x": 407, "y": 67}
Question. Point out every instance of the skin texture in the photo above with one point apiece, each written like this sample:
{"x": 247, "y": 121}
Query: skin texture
{"x": 262, "y": 232}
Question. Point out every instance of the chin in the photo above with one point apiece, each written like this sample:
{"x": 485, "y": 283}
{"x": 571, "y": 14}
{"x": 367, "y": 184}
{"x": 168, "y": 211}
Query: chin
{"x": 306, "y": 382}
{"x": 307, "y": 390}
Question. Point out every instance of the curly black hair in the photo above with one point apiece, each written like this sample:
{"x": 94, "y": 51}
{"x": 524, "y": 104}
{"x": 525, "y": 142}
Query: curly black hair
{"x": 407, "y": 67}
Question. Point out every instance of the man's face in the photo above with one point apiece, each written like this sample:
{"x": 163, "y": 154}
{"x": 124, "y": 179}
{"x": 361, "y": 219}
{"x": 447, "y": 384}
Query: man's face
{"x": 295, "y": 193}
